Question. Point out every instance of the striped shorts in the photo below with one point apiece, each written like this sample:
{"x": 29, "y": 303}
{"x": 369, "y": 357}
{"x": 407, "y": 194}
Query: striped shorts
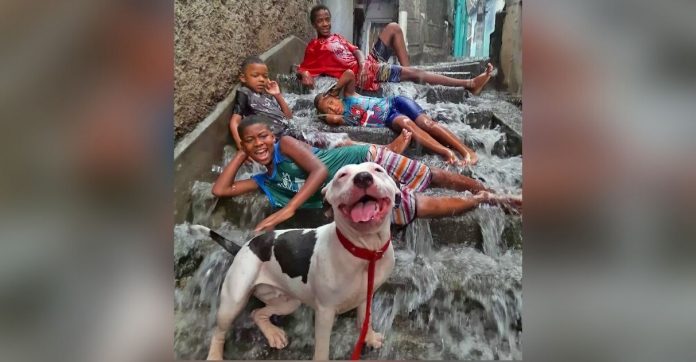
{"x": 411, "y": 175}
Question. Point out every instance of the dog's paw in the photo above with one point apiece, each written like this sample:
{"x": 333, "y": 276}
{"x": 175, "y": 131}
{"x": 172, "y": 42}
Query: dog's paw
{"x": 214, "y": 355}
{"x": 216, "y": 347}
{"x": 276, "y": 337}
{"x": 374, "y": 339}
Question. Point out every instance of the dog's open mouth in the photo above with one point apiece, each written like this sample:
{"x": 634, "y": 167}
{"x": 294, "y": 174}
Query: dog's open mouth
{"x": 366, "y": 209}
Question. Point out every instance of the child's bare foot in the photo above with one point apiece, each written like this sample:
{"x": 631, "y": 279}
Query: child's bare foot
{"x": 470, "y": 159}
{"x": 481, "y": 80}
{"x": 451, "y": 159}
{"x": 401, "y": 142}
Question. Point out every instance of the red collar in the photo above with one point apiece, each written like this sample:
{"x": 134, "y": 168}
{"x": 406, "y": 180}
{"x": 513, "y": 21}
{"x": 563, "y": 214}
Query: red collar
{"x": 362, "y": 253}
{"x": 372, "y": 256}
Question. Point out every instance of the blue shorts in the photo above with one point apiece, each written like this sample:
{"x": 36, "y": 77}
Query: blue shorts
{"x": 403, "y": 106}
{"x": 381, "y": 51}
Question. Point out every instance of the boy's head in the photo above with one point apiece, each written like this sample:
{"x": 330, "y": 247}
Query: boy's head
{"x": 257, "y": 138}
{"x": 328, "y": 104}
{"x": 320, "y": 17}
{"x": 254, "y": 74}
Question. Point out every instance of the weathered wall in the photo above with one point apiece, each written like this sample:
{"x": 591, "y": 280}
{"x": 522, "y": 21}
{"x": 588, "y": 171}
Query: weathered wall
{"x": 211, "y": 38}
{"x": 429, "y": 39}
{"x": 511, "y": 47}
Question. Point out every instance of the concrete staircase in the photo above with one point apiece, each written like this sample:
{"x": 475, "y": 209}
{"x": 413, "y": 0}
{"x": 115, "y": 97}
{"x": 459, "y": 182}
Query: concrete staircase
{"x": 447, "y": 299}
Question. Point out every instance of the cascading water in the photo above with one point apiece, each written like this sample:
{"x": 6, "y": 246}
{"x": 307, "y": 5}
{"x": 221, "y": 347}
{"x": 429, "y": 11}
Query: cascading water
{"x": 454, "y": 296}
{"x": 492, "y": 221}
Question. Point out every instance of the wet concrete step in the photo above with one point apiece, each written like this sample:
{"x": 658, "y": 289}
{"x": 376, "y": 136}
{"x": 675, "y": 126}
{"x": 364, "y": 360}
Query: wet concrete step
{"x": 381, "y": 136}
{"x": 473, "y": 67}
{"x": 502, "y": 115}
{"x": 464, "y": 229}
{"x": 460, "y": 70}
{"x": 418, "y": 296}
{"x": 417, "y": 277}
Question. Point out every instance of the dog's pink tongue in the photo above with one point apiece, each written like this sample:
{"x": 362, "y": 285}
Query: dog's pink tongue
{"x": 364, "y": 211}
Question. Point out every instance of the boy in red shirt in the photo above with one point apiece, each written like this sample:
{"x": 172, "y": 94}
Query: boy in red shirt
{"x": 331, "y": 54}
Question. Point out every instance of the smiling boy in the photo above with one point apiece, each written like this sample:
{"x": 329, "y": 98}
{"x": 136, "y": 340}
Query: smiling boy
{"x": 297, "y": 172}
{"x": 331, "y": 54}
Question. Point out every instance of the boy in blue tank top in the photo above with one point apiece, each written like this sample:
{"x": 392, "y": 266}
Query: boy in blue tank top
{"x": 397, "y": 113}
{"x": 297, "y": 172}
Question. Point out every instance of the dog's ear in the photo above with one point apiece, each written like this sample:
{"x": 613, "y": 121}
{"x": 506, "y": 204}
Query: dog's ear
{"x": 397, "y": 191}
{"x": 326, "y": 206}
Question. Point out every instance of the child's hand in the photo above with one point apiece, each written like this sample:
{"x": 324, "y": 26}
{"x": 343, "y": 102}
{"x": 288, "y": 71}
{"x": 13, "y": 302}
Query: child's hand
{"x": 362, "y": 76}
{"x": 270, "y": 222}
{"x": 272, "y": 87}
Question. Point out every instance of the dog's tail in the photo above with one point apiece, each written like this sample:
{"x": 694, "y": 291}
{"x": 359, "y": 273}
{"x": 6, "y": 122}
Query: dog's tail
{"x": 226, "y": 243}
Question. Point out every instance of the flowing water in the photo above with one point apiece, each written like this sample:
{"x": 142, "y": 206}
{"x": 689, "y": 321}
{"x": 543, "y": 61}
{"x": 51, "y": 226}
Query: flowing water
{"x": 456, "y": 290}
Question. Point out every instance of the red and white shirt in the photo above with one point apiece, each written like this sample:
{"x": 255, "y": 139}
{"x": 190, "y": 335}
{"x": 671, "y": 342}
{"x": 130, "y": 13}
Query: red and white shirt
{"x": 330, "y": 56}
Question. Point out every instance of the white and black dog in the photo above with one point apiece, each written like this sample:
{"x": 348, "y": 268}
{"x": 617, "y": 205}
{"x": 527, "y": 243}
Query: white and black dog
{"x": 285, "y": 268}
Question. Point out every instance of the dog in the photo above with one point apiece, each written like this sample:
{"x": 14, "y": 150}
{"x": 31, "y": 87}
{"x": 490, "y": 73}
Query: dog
{"x": 285, "y": 268}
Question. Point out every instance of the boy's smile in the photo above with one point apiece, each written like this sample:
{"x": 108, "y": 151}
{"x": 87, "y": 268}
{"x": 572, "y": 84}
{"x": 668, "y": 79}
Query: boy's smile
{"x": 258, "y": 142}
{"x": 255, "y": 77}
{"x": 322, "y": 23}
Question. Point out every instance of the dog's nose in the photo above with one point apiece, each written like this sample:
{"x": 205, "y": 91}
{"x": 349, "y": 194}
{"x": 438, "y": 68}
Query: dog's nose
{"x": 363, "y": 180}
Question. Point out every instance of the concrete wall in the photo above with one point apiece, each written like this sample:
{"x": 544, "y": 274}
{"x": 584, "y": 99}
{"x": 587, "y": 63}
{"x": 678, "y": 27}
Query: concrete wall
{"x": 429, "y": 37}
{"x": 211, "y": 38}
{"x": 511, "y": 47}
{"x": 342, "y": 24}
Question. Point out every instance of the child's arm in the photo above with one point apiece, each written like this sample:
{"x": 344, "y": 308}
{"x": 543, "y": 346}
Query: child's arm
{"x": 226, "y": 186}
{"x": 316, "y": 175}
{"x": 241, "y": 107}
{"x": 362, "y": 77}
{"x": 346, "y": 83}
{"x": 273, "y": 89}
{"x": 305, "y": 77}
{"x": 234, "y": 123}
{"x": 332, "y": 119}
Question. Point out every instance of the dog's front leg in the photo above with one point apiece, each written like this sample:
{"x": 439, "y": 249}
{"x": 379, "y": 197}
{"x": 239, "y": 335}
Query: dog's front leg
{"x": 372, "y": 339}
{"x": 323, "y": 323}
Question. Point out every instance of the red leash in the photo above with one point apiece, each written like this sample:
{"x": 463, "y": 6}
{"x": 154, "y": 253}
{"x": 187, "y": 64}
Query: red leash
{"x": 372, "y": 257}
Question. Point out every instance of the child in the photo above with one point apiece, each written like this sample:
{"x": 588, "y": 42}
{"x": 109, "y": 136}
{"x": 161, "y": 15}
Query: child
{"x": 397, "y": 113}
{"x": 331, "y": 54}
{"x": 260, "y": 96}
{"x": 297, "y": 172}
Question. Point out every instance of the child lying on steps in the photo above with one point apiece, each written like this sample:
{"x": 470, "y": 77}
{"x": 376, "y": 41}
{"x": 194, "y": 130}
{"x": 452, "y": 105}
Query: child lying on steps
{"x": 397, "y": 113}
{"x": 330, "y": 54}
{"x": 297, "y": 172}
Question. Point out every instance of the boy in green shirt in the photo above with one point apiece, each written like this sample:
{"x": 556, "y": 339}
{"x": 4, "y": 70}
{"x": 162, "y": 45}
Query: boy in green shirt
{"x": 297, "y": 172}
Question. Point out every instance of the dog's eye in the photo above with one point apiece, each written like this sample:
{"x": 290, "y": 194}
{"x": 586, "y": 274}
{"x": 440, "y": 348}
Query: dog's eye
{"x": 378, "y": 170}
{"x": 341, "y": 175}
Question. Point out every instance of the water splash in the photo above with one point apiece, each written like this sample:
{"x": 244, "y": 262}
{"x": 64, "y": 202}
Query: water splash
{"x": 203, "y": 201}
{"x": 504, "y": 175}
{"x": 418, "y": 237}
{"x": 492, "y": 222}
